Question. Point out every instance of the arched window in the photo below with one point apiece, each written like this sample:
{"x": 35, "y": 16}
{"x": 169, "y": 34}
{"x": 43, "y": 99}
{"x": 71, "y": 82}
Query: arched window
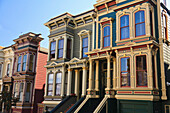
{"x": 106, "y": 36}
{"x": 58, "y": 84}
{"x": 140, "y": 23}
{"x": 50, "y": 84}
{"x": 124, "y": 27}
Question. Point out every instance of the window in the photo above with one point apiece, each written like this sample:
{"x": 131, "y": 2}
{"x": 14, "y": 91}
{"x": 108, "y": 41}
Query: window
{"x": 140, "y": 23}
{"x": 84, "y": 47}
{"x": 27, "y": 93}
{"x": 106, "y": 36}
{"x": 8, "y": 69}
{"x": 0, "y": 70}
{"x": 65, "y": 83}
{"x": 124, "y": 27}
{"x": 68, "y": 48}
{"x": 60, "y": 48}
{"x": 21, "y": 91}
{"x": 24, "y": 63}
{"x": 19, "y": 64}
{"x": 52, "y": 49}
{"x": 125, "y": 72}
{"x": 141, "y": 71}
{"x": 165, "y": 27}
{"x": 16, "y": 90}
{"x": 151, "y": 23}
{"x": 58, "y": 84}
{"x": 31, "y": 63}
{"x": 50, "y": 84}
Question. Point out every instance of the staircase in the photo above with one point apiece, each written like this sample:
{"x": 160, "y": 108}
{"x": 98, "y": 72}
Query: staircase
{"x": 101, "y": 105}
{"x": 88, "y": 105}
{"x": 65, "y": 105}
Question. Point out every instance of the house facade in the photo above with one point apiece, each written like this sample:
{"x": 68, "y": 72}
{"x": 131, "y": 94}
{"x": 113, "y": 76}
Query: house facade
{"x": 113, "y": 58}
{"x": 24, "y": 78}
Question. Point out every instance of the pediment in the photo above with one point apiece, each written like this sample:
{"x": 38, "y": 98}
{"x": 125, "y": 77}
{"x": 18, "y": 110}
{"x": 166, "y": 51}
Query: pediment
{"x": 52, "y": 64}
{"x": 75, "y": 60}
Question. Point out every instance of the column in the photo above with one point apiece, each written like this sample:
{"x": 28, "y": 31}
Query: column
{"x": 114, "y": 73}
{"x": 76, "y": 82}
{"x": 90, "y": 74}
{"x": 108, "y": 73}
{"x": 97, "y": 76}
{"x": 65, "y": 47}
{"x": 84, "y": 81}
{"x": 150, "y": 77}
{"x": 69, "y": 82}
{"x": 63, "y": 82}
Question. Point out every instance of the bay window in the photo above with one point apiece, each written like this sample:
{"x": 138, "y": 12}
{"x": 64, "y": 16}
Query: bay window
{"x": 60, "y": 48}
{"x": 141, "y": 71}
{"x": 58, "y": 84}
{"x": 19, "y": 64}
{"x": 84, "y": 46}
{"x": 140, "y": 23}
{"x": 52, "y": 49}
{"x": 106, "y": 36}
{"x": 124, "y": 27}
{"x": 50, "y": 84}
{"x": 24, "y": 63}
{"x": 125, "y": 72}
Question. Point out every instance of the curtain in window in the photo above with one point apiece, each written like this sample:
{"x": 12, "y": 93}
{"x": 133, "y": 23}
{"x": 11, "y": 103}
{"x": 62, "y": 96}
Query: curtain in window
{"x": 124, "y": 26}
{"x": 19, "y": 64}
{"x": 141, "y": 70}
{"x": 85, "y": 46}
{"x": 140, "y": 23}
{"x": 58, "y": 84}
{"x": 50, "y": 84}
{"x": 60, "y": 48}
{"x": 106, "y": 36}
{"x": 24, "y": 63}
{"x": 125, "y": 72}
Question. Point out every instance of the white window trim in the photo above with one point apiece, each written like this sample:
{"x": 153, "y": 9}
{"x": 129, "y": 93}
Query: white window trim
{"x": 80, "y": 34}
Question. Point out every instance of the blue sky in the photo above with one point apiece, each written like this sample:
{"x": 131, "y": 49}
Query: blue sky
{"x": 21, "y": 16}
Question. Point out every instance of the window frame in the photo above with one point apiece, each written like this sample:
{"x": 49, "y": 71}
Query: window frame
{"x": 125, "y": 71}
{"x": 24, "y": 62}
{"x": 29, "y": 91}
{"x": 56, "y": 84}
{"x": 60, "y": 49}
{"x": 50, "y": 84}
{"x": 124, "y": 26}
{"x": 52, "y": 50}
{"x": 19, "y": 63}
{"x": 31, "y": 62}
{"x": 69, "y": 43}
{"x": 85, "y": 47}
{"x": 140, "y": 22}
{"x": 21, "y": 90}
{"x": 141, "y": 70}
{"x": 106, "y": 25}
{"x": 165, "y": 28}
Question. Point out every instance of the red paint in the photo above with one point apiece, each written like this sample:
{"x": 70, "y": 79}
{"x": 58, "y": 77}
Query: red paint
{"x": 101, "y": 7}
{"x": 126, "y": 92}
{"x": 111, "y": 3}
{"x": 143, "y": 92}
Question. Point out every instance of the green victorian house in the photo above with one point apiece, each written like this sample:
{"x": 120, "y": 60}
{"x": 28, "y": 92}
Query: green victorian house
{"x": 114, "y": 58}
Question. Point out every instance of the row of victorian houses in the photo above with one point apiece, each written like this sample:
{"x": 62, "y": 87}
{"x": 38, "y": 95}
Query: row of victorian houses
{"x": 114, "y": 58}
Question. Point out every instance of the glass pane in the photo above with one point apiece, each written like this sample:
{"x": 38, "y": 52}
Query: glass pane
{"x": 106, "y": 30}
{"x": 140, "y": 29}
{"x": 20, "y": 96}
{"x": 8, "y": 69}
{"x": 19, "y": 64}
{"x": 106, "y": 41}
{"x": 28, "y": 89}
{"x": 124, "y": 32}
{"x": 53, "y": 45}
{"x": 60, "y": 44}
{"x": 60, "y": 53}
{"x": 124, "y": 21}
{"x": 50, "y": 78}
{"x": 125, "y": 71}
{"x": 25, "y": 58}
{"x": 58, "y": 89}
{"x": 19, "y": 59}
{"x": 84, "y": 51}
{"x": 139, "y": 17}
{"x": 141, "y": 71}
{"x": 49, "y": 93}
{"x": 58, "y": 78}
{"x": 85, "y": 42}
{"x": 50, "y": 87}
{"x": 24, "y": 62}
{"x": 31, "y": 63}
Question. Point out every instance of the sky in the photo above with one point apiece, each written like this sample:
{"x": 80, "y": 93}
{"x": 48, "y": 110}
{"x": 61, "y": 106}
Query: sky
{"x": 18, "y": 17}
